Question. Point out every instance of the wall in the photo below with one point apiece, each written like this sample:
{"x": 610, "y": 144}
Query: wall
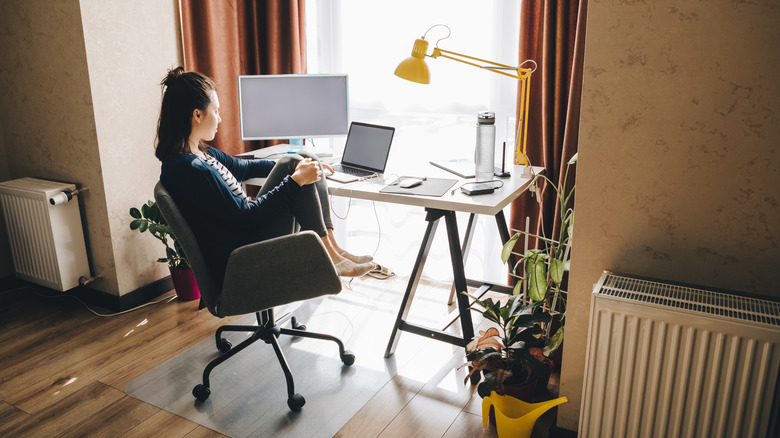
{"x": 678, "y": 170}
{"x": 79, "y": 105}
{"x": 130, "y": 46}
{"x": 6, "y": 263}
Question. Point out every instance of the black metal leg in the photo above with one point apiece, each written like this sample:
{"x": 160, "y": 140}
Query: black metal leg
{"x": 283, "y": 362}
{"x": 411, "y": 288}
{"x": 503, "y": 232}
{"x": 305, "y": 334}
{"x": 467, "y": 239}
{"x": 458, "y": 256}
{"x": 459, "y": 273}
{"x": 257, "y": 334}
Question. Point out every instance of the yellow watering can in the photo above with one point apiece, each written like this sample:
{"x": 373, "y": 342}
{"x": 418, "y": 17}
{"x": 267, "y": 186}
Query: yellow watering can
{"x": 515, "y": 418}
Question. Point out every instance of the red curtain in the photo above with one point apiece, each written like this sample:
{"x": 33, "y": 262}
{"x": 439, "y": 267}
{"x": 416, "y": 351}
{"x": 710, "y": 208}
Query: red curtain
{"x": 227, "y": 38}
{"x": 553, "y": 35}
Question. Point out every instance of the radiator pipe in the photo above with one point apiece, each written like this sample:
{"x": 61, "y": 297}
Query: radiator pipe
{"x": 66, "y": 196}
{"x": 85, "y": 281}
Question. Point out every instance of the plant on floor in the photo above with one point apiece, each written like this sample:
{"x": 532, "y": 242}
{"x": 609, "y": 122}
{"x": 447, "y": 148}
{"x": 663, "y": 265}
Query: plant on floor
{"x": 508, "y": 355}
{"x": 544, "y": 268}
{"x": 150, "y": 218}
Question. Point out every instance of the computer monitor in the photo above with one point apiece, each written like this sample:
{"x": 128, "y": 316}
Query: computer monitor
{"x": 293, "y": 106}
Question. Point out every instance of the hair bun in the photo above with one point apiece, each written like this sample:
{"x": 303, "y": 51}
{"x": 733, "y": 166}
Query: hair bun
{"x": 173, "y": 76}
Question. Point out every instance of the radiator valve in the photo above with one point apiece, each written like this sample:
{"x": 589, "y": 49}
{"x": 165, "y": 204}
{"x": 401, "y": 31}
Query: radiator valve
{"x": 66, "y": 196}
{"x": 85, "y": 281}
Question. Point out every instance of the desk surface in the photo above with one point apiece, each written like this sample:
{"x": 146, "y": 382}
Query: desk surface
{"x": 489, "y": 204}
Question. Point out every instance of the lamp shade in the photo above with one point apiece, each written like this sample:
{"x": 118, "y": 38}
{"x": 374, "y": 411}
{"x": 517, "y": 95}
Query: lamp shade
{"x": 414, "y": 67}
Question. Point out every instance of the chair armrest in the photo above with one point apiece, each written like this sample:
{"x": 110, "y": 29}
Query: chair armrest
{"x": 277, "y": 271}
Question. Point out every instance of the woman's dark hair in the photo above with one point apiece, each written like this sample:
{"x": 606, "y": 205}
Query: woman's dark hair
{"x": 183, "y": 93}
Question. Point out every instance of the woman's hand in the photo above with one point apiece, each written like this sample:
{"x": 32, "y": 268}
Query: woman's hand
{"x": 307, "y": 172}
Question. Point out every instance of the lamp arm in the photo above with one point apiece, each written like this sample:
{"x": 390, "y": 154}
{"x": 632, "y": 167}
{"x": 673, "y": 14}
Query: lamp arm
{"x": 523, "y": 75}
{"x": 519, "y": 72}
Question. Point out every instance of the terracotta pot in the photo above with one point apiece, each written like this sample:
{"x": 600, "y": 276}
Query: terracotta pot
{"x": 184, "y": 283}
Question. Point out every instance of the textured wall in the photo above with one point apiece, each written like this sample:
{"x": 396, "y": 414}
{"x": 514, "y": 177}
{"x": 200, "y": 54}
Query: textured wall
{"x": 47, "y": 108}
{"x": 79, "y": 104}
{"x": 129, "y": 48}
{"x": 678, "y": 170}
{"x": 6, "y": 263}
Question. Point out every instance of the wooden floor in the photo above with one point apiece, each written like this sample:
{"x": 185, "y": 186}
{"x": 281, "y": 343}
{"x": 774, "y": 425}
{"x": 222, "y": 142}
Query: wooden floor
{"x": 63, "y": 372}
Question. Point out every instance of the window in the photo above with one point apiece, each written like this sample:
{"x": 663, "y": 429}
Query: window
{"x": 367, "y": 40}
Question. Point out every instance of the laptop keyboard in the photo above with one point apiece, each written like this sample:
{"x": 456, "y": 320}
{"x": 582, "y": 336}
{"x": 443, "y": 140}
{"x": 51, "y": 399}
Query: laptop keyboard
{"x": 351, "y": 170}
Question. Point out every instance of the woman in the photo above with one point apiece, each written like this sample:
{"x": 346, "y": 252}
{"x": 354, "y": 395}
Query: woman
{"x": 205, "y": 182}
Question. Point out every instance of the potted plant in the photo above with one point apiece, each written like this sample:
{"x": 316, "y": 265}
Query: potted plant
{"x": 509, "y": 355}
{"x": 150, "y": 218}
{"x": 544, "y": 268}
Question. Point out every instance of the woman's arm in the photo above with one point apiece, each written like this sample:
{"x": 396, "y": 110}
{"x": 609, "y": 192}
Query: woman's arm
{"x": 202, "y": 189}
{"x": 242, "y": 168}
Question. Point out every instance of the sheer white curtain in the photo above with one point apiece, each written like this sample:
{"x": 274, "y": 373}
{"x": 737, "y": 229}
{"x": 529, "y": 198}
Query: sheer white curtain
{"x": 367, "y": 40}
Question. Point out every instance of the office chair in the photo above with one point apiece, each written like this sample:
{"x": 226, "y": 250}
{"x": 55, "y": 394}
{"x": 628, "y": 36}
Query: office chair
{"x": 257, "y": 279}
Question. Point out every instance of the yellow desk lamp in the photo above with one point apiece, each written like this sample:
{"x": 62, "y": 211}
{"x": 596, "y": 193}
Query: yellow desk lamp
{"x": 415, "y": 69}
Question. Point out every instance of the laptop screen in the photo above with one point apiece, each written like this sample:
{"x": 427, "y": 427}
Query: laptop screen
{"x": 368, "y": 146}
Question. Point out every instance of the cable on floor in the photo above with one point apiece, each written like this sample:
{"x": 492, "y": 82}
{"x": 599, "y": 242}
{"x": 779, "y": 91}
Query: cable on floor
{"x": 169, "y": 298}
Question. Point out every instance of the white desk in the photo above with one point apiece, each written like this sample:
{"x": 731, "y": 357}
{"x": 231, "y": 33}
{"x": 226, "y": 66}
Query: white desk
{"x": 437, "y": 208}
{"x": 443, "y": 207}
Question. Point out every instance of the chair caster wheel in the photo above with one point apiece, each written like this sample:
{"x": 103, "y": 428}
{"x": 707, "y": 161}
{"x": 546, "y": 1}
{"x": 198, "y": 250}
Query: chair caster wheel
{"x": 296, "y": 402}
{"x": 348, "y": 358}
{"x": 294, "y": 324}
{"x": 223, "y": 345}
{"x": 201, "y": 392}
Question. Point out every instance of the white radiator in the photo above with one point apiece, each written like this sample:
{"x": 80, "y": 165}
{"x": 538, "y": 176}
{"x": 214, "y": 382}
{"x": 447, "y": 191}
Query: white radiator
{"x": 47, "y": 241}
{"x": 665, "y": 361}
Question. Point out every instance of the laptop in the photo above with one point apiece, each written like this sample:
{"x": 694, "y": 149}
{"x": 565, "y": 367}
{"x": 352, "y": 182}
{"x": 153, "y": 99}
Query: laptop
{"x": 365, "y": 153}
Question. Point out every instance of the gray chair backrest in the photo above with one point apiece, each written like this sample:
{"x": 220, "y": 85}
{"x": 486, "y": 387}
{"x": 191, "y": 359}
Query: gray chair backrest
{"x": 210, "y": 291}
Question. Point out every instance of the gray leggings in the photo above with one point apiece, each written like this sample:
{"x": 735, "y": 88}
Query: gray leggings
{"x": 311, "y": 210}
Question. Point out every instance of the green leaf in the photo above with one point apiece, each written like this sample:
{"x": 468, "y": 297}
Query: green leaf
{"x": 536, "y": 274}
{"x": 156, "y": 214}
{"x": 143, "y": 226}
{"x": 556, "y": 271}
{"x": 555, "y": 341}
{"x": 518, "y": 288}
{"x": 538, "y": 369}
{"x": 146, "y": 211}
{"x": 134, "y": 225}
{"x": 135, "y": 213}
{"x": 162, "y": 260}
{"x": 506, "y": 251}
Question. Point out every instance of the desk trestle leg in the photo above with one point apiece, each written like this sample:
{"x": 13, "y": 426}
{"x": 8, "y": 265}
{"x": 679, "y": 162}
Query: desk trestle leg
{"x": 432, "y": 217}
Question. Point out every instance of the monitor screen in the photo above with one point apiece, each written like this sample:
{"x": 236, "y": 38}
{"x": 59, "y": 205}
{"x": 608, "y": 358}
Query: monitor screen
{"x": 293, "y": 106}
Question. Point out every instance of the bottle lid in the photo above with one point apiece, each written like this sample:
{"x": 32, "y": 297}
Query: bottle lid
{"x": 486, "y": 118}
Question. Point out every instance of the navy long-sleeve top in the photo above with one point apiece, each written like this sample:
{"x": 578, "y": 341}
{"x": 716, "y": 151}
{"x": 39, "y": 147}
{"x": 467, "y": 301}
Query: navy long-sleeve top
{"x": 220, "y": 220}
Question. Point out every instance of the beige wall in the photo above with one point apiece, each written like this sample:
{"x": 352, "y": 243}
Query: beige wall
{"x": 130, "y": 46}
{"x": 79, "y": 104}
{"x": 6, "y": 263}
{"x": 678, "y": 170}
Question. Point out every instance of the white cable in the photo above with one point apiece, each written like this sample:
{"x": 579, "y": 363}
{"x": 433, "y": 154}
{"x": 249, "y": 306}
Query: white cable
{"x": 379, "y": 230}
{"x": 64, "y": 295}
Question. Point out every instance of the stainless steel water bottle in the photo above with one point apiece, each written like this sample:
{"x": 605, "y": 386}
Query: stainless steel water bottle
{"x": 486, "y": 146}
